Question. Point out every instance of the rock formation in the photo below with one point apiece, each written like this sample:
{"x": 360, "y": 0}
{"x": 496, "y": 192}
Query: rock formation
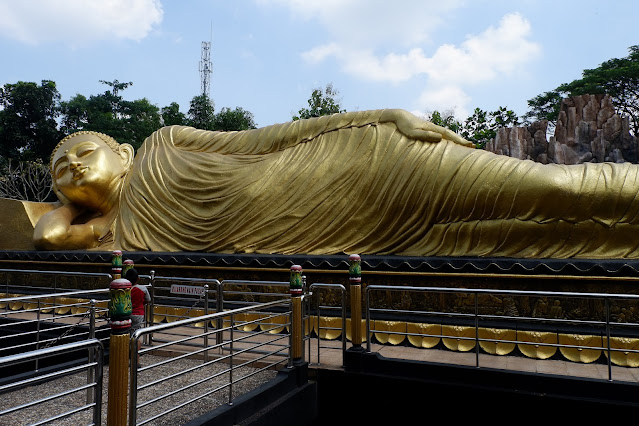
{"x": 588, "y": 130}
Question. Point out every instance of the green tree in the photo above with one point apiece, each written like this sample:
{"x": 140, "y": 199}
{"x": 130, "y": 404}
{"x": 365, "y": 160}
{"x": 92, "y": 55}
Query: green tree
{"x": 482, "y": 126}
{"x": 321, "y": 103}
{"x": 126, "y": 121}
{"x": 139, "y": 119}
{"x": 445, "y": 119}
{"x": 544, "y": 107}
{"x": 618, "y": 78}
{"x": 171, "y": 115}
{"x": 28, "y": 126}
{"x": 236, "y": 119}
{"x": 202, "y": 113}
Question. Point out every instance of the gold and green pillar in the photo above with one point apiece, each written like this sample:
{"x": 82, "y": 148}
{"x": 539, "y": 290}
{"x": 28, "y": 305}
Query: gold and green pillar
{"x": 355, "y": 288}
{"x": 296, "y": 290}
{"x": 120, "y": 308}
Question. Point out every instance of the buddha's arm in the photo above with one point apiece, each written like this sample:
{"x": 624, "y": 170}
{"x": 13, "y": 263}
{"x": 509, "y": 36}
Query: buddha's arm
{"x": 55, "y": 230}
{"x": 281, "y": 136}
{"x": 416, "y": 128}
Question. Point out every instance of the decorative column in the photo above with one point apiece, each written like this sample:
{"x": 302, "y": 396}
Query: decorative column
{"x": 126, "y": 265}
{"x": 120, "y": 308}
{"x": 295, "y": 288}
{"x": 116, "y": 264}
{"x": 355, "y": 285}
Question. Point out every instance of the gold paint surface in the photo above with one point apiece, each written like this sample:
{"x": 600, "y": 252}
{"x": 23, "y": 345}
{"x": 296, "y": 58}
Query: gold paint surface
{"x": 356, "y": 314}
{"x": 497, "y": 348}
{"x": 454, "y": 343}
{"x": 624, "y": 358}
{"x": 159, "y": 314}
{"x": 362, "y": 330}
{"x": 422, "y": 328}
{"x": 197, "y": 313}
{"x": 581, "y": 354}
{"x": 297, "y": 343}
{"x": 332, "y": 322}
{"x": 117, "y": 401}
{"x": 270, "y": 324}
{"x": 245, "y": 318}
{"x": 313, "y": 324}
{"x": 394, "y": 326}
{"x": 79, "y": 309}
{"x": 534, "y": 350}
{"x": 18, "y": 221}
{"x": 17, "y": 305}
{"x": 336, "y": 184}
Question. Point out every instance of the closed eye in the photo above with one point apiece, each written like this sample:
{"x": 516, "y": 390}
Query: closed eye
{"x": 60, "y": 172}
{"x": 85, "y": 152}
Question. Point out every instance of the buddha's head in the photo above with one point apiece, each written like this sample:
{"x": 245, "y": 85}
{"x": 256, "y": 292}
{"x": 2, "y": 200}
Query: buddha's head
{"x": 86, "y": 167}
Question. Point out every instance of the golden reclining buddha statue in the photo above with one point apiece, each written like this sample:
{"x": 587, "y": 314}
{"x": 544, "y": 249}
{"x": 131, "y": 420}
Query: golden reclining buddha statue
{"x": 369, "y": 182}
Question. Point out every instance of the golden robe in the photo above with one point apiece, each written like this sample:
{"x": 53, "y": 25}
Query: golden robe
{"x": 349, "y": 183}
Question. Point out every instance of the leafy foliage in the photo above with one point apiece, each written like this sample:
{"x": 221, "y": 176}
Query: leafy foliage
{"x": 321, "y": 103}
{"x": 171, "y": 115}
{"x": 445, "y": 119}
{"x": 618, "y": 78}
{"x": 236, "y": 119}
{"x": 127, "y": 121}
{"x": 202, "y": 113}
{"x": 28, "y": 126}
{"x": 480, "y": 127}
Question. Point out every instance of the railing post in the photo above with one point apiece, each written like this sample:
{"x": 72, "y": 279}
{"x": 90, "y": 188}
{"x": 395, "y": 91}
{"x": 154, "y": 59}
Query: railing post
{"x": 206, "y": 323}
{"x": 608, "y": 336}
{"x": 37, "y": 332}
{"x": 296, "y": 286}
{"x": 91, "y": 371}
{"x": 120, "y": 322}
{"x": 476, "y": 330}
{"x": 219, "y": 323}
{"x": 231, "y": 337}
{"x": 149, "y": 336}
{"x": 355, "y": 285}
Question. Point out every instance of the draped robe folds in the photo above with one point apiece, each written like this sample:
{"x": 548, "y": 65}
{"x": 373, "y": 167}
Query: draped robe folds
{"x": 349, "y": 183}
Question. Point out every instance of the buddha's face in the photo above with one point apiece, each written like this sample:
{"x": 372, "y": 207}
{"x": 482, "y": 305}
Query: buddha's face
{"x": 86, "y": 170}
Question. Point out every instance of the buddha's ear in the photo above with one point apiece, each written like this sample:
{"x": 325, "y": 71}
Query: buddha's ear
{"x": 127, "y": 153}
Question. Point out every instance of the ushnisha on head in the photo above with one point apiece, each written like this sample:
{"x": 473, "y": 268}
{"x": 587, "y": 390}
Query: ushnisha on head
{"x": 87, "y": 167}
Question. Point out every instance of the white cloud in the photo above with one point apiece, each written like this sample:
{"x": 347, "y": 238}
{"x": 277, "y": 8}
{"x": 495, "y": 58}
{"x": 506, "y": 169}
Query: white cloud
{"x": 373, "y": 22}
{"x": 78, "y": 22}
{"x": 320, "y": 53}
{"x": 450, "y": 71}
{"x": 445, "y": 98}
{"x": 480, "y": 58}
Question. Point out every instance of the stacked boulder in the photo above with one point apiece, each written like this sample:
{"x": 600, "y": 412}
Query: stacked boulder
{"x": 588, "y": 130}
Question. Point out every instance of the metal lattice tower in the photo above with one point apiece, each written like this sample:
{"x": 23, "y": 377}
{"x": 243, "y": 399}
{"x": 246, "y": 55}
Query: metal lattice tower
{"x": 206, "y": 68}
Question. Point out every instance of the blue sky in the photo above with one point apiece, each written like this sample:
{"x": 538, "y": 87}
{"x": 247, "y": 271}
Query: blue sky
{"x": 268, "y": 55}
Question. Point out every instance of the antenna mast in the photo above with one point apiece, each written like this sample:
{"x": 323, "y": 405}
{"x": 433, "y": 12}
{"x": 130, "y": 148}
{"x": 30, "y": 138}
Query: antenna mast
{"x": 206, "y": 66}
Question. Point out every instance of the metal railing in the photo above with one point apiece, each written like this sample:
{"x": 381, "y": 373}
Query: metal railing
{"x": 314, "y": 295}
{"x": 29, "y": 322}
{"x": 45, "y": 400}
{"x": 170, "y": 307}
{"x": 206, "y": 376}
{"x": 36, "y": 281}
{"x": 478, "y": 321}
{"x": 208, "y": 296}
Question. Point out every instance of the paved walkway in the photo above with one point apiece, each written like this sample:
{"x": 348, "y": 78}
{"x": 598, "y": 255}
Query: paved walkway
{"x": 331, "y": 358}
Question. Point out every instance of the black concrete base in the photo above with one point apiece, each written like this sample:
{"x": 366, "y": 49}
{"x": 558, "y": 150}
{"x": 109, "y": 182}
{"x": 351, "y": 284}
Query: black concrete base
{"x": 373, "y": 388}
{"x": 339, "y": 262}
{"x": 289, "y": 399}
